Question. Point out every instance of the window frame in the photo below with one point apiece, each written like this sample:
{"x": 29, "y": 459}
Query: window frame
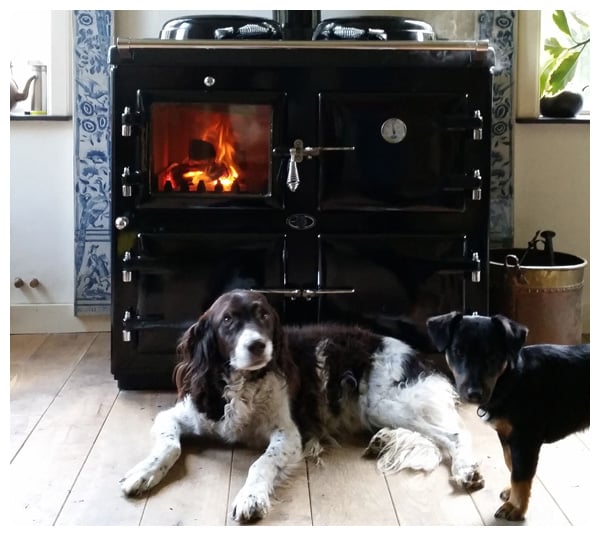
{"x": 60, "y": 88}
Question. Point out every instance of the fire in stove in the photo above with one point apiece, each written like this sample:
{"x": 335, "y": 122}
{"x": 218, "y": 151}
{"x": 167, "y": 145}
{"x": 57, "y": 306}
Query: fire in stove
{"x": 207, "y": 150}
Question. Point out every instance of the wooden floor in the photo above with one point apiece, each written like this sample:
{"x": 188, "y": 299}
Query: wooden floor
{"x": 74, "y": 435}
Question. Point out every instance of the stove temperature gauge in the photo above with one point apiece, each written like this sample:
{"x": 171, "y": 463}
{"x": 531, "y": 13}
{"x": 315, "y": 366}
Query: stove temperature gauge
{"x": 393, "y": 130}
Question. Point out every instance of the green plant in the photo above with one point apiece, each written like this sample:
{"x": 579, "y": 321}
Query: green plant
{"x": 564, "y": 52}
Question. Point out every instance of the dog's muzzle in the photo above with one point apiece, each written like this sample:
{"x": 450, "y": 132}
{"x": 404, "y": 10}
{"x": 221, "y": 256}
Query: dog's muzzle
{"x": 252, "y": 351}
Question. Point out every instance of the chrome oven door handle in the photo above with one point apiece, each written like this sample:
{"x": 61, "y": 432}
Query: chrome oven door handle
{"x": 309, "y": 294}
{"x": 286, "y": 292}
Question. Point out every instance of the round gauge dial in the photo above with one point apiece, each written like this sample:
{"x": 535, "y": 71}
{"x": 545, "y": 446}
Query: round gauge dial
{"x": 393, "y": 130}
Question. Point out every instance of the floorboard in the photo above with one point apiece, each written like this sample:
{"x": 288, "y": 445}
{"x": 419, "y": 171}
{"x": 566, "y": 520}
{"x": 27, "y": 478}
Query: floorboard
{"x": 58, "y": 447}
{"x": 40, "y": 377}
{"x": 96, "y": 497}
{"x": 347, "y": 489}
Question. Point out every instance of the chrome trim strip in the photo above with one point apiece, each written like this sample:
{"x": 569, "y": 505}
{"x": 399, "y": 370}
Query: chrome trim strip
{"x": 126, "y": 44}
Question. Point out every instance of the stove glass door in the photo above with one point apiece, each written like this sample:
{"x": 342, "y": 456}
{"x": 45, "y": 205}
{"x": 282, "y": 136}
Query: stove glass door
{"x": 207, "y": 150}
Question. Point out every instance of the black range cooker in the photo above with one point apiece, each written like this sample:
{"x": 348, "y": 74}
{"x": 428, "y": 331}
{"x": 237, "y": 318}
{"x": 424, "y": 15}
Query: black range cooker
{"x": 341, "y": 167}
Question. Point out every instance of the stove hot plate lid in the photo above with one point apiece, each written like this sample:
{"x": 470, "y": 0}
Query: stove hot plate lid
{"x": 373, "y": 28}
{"x": 220, "y": 27}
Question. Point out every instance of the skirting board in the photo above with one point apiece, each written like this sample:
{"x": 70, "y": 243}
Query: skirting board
{"x": 53, "y": 318}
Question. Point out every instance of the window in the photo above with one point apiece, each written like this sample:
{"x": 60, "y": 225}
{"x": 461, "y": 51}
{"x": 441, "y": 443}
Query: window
{"x": 48, "y": 40}
{"x": 530, "y": 60}
{"x": 578, "y": 22}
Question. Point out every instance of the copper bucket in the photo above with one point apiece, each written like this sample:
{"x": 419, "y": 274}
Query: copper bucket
{"x": 545, "y": 295}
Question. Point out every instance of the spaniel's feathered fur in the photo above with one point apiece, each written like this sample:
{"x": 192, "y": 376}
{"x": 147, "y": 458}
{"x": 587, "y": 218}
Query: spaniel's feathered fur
{"x": 242, "y": 377}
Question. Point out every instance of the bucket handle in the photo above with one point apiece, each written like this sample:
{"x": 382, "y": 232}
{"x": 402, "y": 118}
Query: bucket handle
{"x": 512, "y": 261}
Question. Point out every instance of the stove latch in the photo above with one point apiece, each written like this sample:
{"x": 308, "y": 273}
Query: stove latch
{"x": 297, "y": 154}
{"x": 129, "y": 120}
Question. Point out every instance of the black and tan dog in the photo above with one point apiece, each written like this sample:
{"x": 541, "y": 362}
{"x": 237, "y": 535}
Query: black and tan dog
{"x": 529, "y": 394}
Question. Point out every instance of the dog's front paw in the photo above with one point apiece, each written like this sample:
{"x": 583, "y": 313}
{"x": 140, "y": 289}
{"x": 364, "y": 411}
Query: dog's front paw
{"x": 141, "y": 478}
{"x": 470, "y": 478}
{"x": 510, "y": 512}
{"x": 250, "y": 504}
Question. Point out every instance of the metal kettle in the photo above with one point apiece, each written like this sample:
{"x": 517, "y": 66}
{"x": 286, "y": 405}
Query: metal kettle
{"x": 15, "y": 94}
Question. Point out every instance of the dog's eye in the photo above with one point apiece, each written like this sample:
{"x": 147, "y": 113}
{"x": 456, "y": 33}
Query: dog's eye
{"x": 227, "y": 319}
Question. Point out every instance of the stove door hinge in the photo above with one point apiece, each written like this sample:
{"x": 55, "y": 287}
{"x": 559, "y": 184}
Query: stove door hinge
{"x": 464, "y": 122}
{"x": 476, "y": 192}
{"x": 129, "y": 120}
{"x": 478, "y": 130}
{"x": 458, "y": 183}
{"x": 126, "y": 273}
{"x": 126, "y": 331}
{"x": 128, "y": 180}
{"x": 476, "y": 269}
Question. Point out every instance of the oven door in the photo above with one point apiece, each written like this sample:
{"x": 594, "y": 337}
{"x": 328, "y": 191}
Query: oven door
{"x": 177, "y": 276}
{"x": 197, "y": 149}
{"x": 413, "y": 152}
{"x": 397, "y": 278}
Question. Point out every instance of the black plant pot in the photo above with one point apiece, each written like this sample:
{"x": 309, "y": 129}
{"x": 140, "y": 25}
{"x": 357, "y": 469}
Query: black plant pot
{"x": 563, "y": 104}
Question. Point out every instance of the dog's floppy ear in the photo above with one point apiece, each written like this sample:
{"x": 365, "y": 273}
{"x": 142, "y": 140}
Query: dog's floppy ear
{"x": 200, "y": 369}
{"x": 513, "y": 333}
{"x": 441, "y": 329}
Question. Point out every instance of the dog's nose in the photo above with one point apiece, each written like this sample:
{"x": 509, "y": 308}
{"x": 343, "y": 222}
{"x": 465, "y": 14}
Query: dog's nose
{"x": 257, "y": 347}
{"x": 474, "y": 395}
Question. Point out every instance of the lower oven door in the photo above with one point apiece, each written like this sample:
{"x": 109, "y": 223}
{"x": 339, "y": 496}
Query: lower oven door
{"x": 398, "y": 279}
{"x": 177, "y": 276}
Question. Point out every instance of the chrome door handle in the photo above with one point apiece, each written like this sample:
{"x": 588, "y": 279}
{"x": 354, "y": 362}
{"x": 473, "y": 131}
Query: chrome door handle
{"x": 306, "y": 293}
{"x": 309, "y": 294}
{"x": 297, "y": 154}
{"x": 285, "y": 292}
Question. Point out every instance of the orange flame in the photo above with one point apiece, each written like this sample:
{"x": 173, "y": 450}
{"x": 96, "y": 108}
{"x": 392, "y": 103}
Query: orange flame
{"x": 219, "y": 173}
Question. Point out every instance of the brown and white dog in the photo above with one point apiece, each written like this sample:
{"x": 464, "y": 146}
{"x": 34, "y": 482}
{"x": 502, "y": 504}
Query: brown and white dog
{"x": 242, "y": 377}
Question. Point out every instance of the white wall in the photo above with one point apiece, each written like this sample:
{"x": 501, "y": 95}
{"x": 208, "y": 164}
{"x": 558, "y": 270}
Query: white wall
{"x": 42, "y": 228}
{"x": 552, "y": 190}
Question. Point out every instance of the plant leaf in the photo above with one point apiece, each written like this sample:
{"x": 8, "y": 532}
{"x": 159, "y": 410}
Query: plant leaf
{"x": 564, "y": 72}
{"x": 546, "y": 70}
{"x": 553, "y": 47}
{"x": 560, "y": 19}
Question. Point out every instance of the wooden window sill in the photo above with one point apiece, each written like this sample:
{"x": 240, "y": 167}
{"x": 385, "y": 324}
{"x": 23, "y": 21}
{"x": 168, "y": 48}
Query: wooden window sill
{"x": 22, "y": 117}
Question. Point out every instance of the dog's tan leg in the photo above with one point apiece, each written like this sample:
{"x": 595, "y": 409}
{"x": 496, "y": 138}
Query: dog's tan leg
{"x": 521, "y": 456}
{"x": 505, "y": 494}
{"x": 517, "y": 502}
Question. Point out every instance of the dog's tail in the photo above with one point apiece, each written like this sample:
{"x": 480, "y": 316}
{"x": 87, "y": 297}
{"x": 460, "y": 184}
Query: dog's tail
{"x": 399, "y": 448}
